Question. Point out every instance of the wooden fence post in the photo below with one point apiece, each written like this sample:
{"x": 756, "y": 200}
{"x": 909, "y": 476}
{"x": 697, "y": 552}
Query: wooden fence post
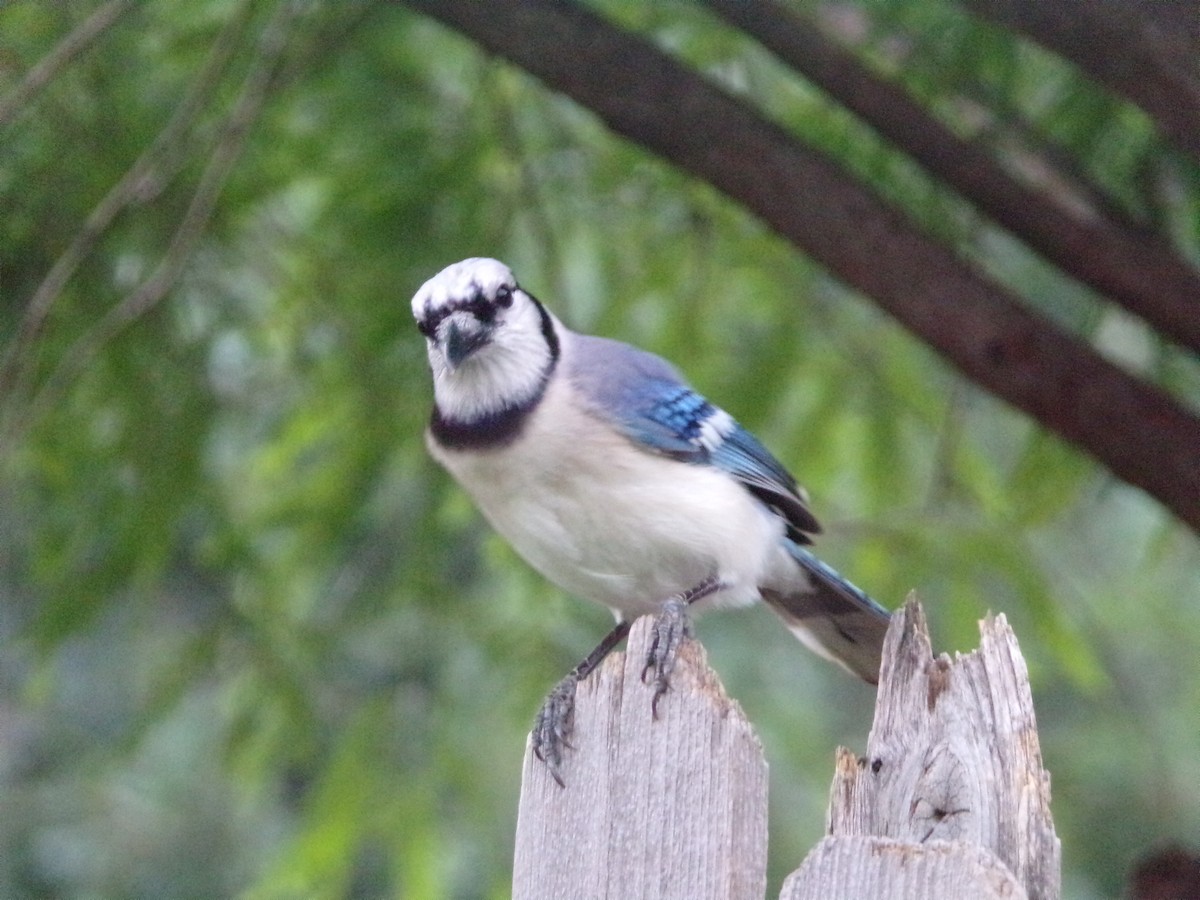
{"x": 673, "y": 807}
{"x": 951, "y": 799}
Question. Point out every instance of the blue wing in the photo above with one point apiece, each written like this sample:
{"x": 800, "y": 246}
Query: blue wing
{"x": 646, "y": 398}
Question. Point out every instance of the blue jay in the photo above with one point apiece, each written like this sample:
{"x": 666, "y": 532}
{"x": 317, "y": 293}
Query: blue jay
{"x": 621, "y": 484}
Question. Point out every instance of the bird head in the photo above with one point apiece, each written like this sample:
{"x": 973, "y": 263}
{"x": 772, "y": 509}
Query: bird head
{"x": 491, "y": 345}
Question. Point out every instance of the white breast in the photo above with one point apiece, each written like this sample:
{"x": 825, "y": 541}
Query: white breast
{"x": 612, "y": 523}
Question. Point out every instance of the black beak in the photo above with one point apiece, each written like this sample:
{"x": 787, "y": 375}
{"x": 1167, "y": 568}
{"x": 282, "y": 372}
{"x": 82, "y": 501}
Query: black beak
{"x": 462, "y": 342}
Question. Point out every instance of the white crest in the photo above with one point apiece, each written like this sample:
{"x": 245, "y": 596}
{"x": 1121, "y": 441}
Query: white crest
{"x": 459, "y": 280}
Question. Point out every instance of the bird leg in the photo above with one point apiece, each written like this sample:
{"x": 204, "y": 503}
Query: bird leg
{"x": 552, "y": 727}
{"x": 671, "y": 628}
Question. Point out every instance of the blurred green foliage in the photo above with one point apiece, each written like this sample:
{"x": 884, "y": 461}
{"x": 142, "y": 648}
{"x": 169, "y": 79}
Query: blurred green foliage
{"x": 254, "y": 643}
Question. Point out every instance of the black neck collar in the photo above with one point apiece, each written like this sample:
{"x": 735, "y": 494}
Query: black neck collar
{"x": 500, "y": 428}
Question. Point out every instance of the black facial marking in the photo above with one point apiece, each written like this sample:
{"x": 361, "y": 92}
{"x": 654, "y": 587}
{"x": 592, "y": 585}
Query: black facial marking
{"x": 547, "y": 329}
{"x": 476, "y": 302}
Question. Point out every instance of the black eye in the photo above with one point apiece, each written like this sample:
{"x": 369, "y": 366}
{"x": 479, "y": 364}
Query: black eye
{"x": 504, "y": 296}
{"x": 425, "y": 327}
{"x": 481, "y": 309}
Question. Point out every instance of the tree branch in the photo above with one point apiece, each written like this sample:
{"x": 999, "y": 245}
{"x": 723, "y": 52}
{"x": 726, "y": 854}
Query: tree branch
{"x": 1142, "y": 434}
{"x": 152, "y": 170}
{"x": 1140, "y": 271}
{"x": 64, "y": 51}
{"x": 1148, "y": 53}
{"x": 232, "y": 139}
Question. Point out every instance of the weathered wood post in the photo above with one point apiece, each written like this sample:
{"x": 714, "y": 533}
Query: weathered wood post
{"x": 949, "y": 801}
{"x": 673, "y": 807}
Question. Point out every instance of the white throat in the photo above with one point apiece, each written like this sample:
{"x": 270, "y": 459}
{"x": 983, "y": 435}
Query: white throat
{"x": 510, "y": 372}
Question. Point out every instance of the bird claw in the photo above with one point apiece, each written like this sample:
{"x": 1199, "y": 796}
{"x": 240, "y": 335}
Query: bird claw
{"x": 553, "y": 725}
{"x": 555, "y": 720}
{"x": 671, "y": 628}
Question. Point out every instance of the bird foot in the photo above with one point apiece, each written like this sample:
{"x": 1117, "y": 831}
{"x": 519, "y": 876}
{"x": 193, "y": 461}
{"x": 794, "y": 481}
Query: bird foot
{"x": 671, "y": 628}
{"x": 555, "y": 720}
{"x": 552, "y": 727}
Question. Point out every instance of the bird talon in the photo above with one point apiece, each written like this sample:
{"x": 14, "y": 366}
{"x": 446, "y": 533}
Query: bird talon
{"x": 553, "y": 725}
{"x": 659, "y": 690}
{"x": 671, "y": 629}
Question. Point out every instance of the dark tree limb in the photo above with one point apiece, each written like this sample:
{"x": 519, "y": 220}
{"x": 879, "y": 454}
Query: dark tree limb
{"x": 1141, "y": 433}
{"x": 1138, "y": 270}
{"x": 1146, "y": 52}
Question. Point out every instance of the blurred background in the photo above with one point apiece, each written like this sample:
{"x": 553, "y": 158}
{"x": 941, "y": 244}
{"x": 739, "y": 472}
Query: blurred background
{"x": 254, "y": 643}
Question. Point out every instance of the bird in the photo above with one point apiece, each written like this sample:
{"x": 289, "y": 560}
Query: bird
{"x": 621, "y": 484}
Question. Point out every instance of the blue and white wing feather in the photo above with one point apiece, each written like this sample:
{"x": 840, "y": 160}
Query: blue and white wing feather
{"x": 647, "y": 400}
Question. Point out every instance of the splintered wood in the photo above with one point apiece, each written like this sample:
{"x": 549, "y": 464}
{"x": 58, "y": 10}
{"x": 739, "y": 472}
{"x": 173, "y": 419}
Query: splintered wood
{"x": 950, "y": 799}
